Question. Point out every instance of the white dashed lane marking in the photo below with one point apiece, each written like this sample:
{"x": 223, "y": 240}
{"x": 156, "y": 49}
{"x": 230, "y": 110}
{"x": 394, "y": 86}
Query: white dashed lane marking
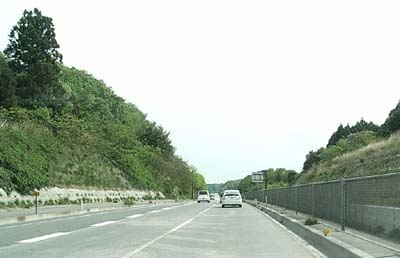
{"x": 103, "y": 223}
{"x": 134, "y": 216}
{"x": 37, "y": 239}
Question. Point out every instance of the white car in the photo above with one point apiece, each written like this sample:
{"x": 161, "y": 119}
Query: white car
{"x": 231, "y": 198}
{"x": 203, "y": 196}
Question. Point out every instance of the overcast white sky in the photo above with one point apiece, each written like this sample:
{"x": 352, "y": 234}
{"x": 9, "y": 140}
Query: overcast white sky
{"x": 241, "y": 85}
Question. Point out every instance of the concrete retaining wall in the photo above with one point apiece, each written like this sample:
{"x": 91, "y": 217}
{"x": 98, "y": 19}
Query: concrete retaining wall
{"x": 55, "y": 193}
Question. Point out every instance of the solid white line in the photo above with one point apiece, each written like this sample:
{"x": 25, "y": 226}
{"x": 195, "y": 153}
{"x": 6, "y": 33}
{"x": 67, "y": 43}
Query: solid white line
{"x": 103, "y": 223}
{"x": 37, "y": 239}
{"x": 134, "y": 216}
{"x": 141, "y": 248}
{"x": 166, "y": 208}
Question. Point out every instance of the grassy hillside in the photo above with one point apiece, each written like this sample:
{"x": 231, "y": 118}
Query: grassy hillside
{"x": 96, "y": 140}
{"x": 376, "y": 158}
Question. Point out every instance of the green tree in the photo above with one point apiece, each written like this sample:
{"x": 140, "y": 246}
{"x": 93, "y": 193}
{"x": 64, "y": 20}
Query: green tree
{"x": 312, "y": 158}
{"x": 291, "y": 177}
{"x": 34, "y": 58}
{"x": 344, "y": 131}
{"x": 155, "y": 136}
{"x": 392, "y": 123}
{"x": 7, "y": 84}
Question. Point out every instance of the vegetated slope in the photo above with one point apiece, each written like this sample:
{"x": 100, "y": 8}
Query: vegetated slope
{"x": 96, "y": 140}
{"x": 376, "y": 158}
{"x": 352, "y": 151}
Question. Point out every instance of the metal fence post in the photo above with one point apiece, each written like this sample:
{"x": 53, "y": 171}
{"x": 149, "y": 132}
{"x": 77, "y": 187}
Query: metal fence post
{"x": 313, "y": 200}
{"x": 343, "y": 203}
{"x": 286, "y": 197}
{"x": 297, "y": 199}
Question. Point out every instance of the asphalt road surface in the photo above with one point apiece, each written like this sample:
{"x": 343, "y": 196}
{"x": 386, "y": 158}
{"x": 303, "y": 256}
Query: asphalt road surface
{"x": 168, "y": 231}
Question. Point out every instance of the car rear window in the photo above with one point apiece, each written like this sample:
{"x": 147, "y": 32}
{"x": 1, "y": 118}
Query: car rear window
{"x": 203, "y": 192}
{"x": 231, "y": 194}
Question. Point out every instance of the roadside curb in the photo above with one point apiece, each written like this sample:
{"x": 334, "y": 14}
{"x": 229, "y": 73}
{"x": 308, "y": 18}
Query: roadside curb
{"x": 29, "y": 218}
{"x": 328, "y": 245}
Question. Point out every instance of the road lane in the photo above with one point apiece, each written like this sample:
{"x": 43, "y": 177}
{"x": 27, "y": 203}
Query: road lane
{"x": 10, "y": 234}
{"x": 229, "y": 232}
{"x": 113, "y": 240}
{"x": 196, "y": 230}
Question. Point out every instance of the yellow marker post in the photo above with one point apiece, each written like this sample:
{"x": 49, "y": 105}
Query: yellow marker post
{"x": 325, "y": 231}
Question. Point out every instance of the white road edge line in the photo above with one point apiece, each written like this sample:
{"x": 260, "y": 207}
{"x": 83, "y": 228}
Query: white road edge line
{"x": 37, "y": 239}
{"x": 312, "y": 249}
{"x": 134, "y": 216}
{"x": 103, "y": 223}
{"x": 141, "y": 248}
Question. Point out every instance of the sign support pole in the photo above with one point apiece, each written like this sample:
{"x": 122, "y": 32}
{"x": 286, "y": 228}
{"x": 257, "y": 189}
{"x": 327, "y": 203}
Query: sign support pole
{"x": 36, "y": 204}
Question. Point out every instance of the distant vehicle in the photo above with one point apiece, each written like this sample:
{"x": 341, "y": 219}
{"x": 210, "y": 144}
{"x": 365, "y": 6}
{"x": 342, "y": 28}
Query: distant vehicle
{"x": 203, "y": 196}
{"x": 231, "y": 198}
{"x": 212, "y": 197}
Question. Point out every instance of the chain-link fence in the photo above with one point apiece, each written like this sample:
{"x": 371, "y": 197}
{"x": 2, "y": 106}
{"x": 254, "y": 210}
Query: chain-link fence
{"x": 369, "y": 204}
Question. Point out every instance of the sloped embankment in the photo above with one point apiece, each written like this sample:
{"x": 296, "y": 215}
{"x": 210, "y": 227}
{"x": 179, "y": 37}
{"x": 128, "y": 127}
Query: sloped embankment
{"x": 377, "y": 158}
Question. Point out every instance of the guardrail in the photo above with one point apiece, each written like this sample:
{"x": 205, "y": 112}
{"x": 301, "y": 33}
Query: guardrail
{"x": 370, "y": 204}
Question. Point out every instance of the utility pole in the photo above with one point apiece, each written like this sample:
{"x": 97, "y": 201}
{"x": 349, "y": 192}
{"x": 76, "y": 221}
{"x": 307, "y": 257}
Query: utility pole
{"x": 192, "y": 184}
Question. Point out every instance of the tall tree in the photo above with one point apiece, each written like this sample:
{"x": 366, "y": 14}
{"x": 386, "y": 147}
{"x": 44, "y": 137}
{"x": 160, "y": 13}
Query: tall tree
{"x": 34, "y": 58}
{"x": 7, "y": 84}
{"x": 392, "y": 123}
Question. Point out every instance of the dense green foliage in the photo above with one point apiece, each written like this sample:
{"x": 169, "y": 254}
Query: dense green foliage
{"x": 96, "y": 141}
{"x": 392, "y": 123}
{"x": 70, "y": 129}
{"x": 343, "y": 132}
{"x": 7, "y": 84}
{"x": 34, "y": 59}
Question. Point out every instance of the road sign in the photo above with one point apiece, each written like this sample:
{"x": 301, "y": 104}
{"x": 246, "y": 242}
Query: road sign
{"x": 257, "y": 177}
{"x": 35, "y": 193}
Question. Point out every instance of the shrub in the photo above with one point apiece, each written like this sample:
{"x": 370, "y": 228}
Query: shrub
{"x": 147, "y": 197}
{"x": 129, "y": 201}
{"x": 311, "y": 221}
{"x": 49, "y": 202}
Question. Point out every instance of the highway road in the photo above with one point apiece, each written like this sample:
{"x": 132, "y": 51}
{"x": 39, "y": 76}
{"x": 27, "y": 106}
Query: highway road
{"x": 181, "y": 230}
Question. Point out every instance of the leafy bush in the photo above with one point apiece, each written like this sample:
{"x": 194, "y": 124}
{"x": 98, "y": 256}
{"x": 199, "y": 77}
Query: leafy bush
{"x": 147, "y": 197}
{"x": 129, "y": 201}
{"x": 311, "y": 221}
